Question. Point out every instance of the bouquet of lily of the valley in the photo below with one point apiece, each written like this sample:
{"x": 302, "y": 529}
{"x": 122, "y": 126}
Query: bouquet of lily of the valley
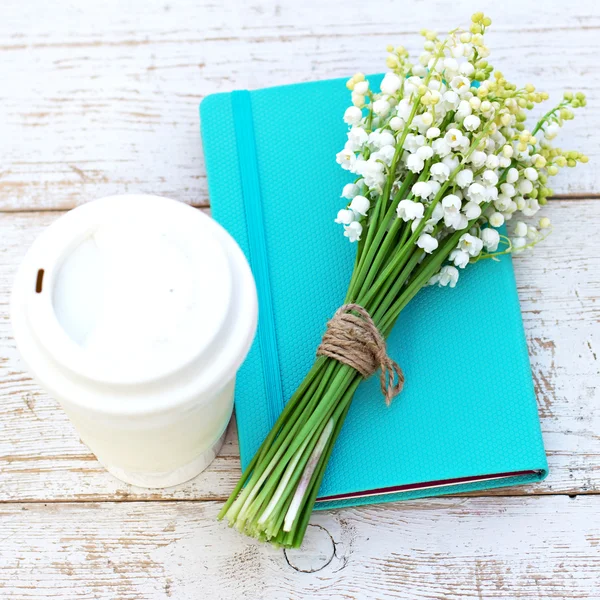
{"x": 443, "y": 158}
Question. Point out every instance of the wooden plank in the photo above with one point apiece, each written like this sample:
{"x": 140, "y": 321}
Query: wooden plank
{"x": 41, "y": 457}
{"x": 452, "y": 548}
{"x": 104, "y": 100}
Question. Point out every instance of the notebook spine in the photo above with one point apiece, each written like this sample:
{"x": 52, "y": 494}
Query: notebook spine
{"x": 250, "y": 181}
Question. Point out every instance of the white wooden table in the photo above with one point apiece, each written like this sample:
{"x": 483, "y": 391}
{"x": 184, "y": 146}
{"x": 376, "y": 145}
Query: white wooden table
{"x": 101, "y": 98}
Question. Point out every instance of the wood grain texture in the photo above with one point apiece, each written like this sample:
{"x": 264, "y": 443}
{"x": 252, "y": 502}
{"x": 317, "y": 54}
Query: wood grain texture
{"x": 447, "y": 548}
{"x": 102, "y": 98}
{"x": 42, "y": 459}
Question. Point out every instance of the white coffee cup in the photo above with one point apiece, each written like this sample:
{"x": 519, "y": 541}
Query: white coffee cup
{"x": 135, "y": 312}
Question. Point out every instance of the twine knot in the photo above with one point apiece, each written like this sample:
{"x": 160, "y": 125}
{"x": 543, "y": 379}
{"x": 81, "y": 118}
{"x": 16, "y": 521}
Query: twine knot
{"x": 354, "y": 340}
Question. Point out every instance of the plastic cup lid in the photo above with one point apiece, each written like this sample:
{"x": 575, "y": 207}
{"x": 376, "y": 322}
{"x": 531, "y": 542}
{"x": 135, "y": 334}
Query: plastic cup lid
{"x": 128, "y": 290}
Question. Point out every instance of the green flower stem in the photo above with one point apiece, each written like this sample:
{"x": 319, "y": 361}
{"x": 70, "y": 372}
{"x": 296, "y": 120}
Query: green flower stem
{"x": 427, "y": 269}
{"x": 289, "y": 422}
{"x": 549, "y": 115}
{"x": 360, "y": 271}
{"x": 307, "y": 474}
{"x": 288, "y": 445}
{"x": 390, "y": 243}
{"x": 294, "y": 538}
{"x": 317, "y": 413}
{"x": 295, "y": 406}
{"x": 279, "y": 506}
{"x": 371, "y": 233}
{"x": 385, "y": 300}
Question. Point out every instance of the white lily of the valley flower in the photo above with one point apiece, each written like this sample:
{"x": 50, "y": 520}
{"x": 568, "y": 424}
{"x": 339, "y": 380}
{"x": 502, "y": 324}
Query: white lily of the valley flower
{"x": 404, "y": 109}
{"x": 496, "y": 219}
{"x": 490, "y": 238}
{"x": 390, "y": 84}
{"x": 520, "y": 229}
{"x": 518, "y": 243}
{"x": 396, "y": 123}
{"x": 464, "y": 178}
{"x": 350, "y": 190}
{"x": 451, "y": 99}
{"x": 345, "y": 217}
{"x": 531, "y": 174}
{"x": 465, "y": 142}
{"x": 463, "y": 223}
{"x": 551, "y": 131}
{"x": 544, "y": 223}
{"x": 470, "y": 244}
{"x": 478, "y": 159}
{"x": 414, "y": 163}
{"x": 453, "y": 137}
{"x": 435, "y": 187}
{"x": 421, "y": 189}
{"x": 424, "y": 152}
{"x": 460, "y": 85}
{"x": 353, "y": 115}
{"x": 502, "y": 203}
{"x": 464, "y": 109}
{"x": 476, "y": 193}
{"x": 451, "y": 205}
{"x": 512, "y": 175}
{"x": 412, "y": 84}
{"x": 360, "y": 205}
{"x": 385, "y": 154}
{"x": 490, "y": 178}
{"x": 441, "y": 147}
{"x": 451, "y": 161}
{"x": 429, "y": 227}
{"x": 361, "y": 87}
{"x": 460, "y": 258}
{"x": 379, "y": 139}
{"x": 448, "y": 276}
{"x": 346, "y": 158}
{"x": 524, "y": 186}
{"x": 440, "y": 172}
{"x": 492, "y": 161}
{"x": 381, "y": 107}
{"x": 472, "y": 210}
{"x": 450, "y": 64}
{"x": 413, "y": 142}
{"x": 466, "y": 69}
{"x": 457, "y": 50}
{"x": 424, "y": 121}
{"x": 508, "y": 189}
{"x": 472, "y": 122}
{"x": 437, "y": 215}
{"x": 408, "y": 210}
{"x": 531, "y": 208}
{"x": 357, "y": 138}
{"x": 353, "y": 231}
{"x": 427, "y": 242}
{"x": 372, "y": 172}
{"x": 491, "y": 193}
{"x": 432, "y": 133}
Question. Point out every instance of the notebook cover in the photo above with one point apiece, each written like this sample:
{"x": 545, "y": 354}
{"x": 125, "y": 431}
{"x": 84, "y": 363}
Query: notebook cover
{"x": 468, "y": 409}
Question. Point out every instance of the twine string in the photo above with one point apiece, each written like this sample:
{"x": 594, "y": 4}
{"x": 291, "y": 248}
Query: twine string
{"x": 353, "y": 339}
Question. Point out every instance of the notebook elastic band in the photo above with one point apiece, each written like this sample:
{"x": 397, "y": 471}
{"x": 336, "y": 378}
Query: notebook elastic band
{"x": 248, "y": 164}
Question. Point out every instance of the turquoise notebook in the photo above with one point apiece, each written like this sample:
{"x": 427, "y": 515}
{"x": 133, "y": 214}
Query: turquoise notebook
{"x": 467, "y": 417}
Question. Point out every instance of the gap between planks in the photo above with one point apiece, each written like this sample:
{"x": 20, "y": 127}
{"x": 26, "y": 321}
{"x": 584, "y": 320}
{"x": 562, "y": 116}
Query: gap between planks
{"x": 123, "y": 499}
{"x": 206, "y": 205}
